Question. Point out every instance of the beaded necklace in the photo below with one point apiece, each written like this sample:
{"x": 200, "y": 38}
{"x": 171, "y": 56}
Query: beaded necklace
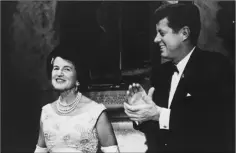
{"x": 67, "y": 108}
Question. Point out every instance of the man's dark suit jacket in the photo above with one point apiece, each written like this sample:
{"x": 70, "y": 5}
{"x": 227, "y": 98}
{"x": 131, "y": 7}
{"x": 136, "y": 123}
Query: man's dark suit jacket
{"x": 203, "y": 121}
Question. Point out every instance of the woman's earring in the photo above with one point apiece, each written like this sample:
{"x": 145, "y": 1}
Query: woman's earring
{"x": 77, "y": 83}
{"x": 76, "y": 86}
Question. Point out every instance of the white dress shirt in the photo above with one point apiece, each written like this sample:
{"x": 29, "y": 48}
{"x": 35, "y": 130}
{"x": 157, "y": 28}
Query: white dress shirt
{"x": 165, "y": 112}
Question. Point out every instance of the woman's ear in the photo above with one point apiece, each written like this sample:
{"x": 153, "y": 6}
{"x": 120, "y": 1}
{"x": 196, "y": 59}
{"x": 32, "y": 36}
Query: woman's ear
{"x": 52, "y": 60}
{"x": 185, "y": 32}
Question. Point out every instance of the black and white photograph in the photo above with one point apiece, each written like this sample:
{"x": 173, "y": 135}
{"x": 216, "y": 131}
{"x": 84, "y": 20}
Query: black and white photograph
{"x": 118, "y": 76}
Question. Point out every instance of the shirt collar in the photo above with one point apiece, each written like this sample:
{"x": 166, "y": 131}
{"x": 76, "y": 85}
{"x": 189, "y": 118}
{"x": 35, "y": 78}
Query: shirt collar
{"x": 181, "y": 65}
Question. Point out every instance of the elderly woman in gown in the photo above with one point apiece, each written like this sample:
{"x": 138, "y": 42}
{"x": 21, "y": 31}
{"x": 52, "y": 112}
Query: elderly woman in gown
{"x": 72, "y": 123}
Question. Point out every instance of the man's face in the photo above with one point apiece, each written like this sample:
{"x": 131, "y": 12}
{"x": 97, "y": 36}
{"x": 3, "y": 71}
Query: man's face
{"x": 168, "y": 40}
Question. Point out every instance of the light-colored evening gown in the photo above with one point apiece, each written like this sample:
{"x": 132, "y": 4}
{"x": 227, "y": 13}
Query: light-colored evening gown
{"x": 71, "y": 133}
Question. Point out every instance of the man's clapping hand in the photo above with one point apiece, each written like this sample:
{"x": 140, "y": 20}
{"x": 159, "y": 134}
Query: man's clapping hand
{"x": 135, "y": 94}
{"x": 140, "y": 106}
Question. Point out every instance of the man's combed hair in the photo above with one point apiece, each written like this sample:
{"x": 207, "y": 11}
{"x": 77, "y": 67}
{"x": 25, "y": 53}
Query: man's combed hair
{"x": 180, "y": 15}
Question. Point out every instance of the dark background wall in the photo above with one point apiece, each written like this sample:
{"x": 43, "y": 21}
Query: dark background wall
{"x": 23, "y": 91}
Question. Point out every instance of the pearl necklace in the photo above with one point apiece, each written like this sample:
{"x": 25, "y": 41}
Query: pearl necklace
{"x": 67, "y": 108}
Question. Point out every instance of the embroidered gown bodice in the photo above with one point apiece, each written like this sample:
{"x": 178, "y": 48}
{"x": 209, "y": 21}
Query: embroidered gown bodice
{"x": 71, "y": 133}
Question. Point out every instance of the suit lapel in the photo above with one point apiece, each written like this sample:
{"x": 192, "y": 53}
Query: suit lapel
{"x": 186, "y": 78}
{"x": 162, "y": 85}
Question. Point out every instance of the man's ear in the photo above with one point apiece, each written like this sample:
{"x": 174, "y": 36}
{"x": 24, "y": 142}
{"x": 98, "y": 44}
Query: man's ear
{"x": 185, "y": 32}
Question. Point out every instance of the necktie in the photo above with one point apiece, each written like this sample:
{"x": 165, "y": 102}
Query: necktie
{"x": 173, "y": 68}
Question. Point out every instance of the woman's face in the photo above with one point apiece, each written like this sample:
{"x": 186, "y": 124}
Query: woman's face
{"x": 64, "y": 75}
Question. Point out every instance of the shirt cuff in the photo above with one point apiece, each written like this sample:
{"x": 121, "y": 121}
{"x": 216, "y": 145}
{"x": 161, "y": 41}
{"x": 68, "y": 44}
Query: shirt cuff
{"x": 164, "y": 118}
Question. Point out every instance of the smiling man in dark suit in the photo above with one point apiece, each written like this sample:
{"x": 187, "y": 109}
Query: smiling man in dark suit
{"x": 190, "y": 107}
